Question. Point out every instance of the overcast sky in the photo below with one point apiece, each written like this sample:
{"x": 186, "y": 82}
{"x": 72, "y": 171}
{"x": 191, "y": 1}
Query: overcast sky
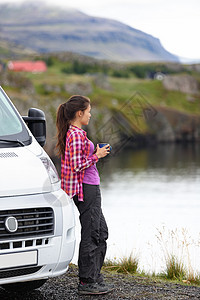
{"x": 175, "y": 22}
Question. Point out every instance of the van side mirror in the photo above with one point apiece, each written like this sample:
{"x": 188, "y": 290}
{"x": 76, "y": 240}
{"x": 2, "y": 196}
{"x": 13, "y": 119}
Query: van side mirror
{"x": 37, "y": 124}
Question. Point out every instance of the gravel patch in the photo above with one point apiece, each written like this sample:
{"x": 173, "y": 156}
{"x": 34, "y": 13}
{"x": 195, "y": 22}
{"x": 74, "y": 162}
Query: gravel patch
{"x": 126, "y": 287}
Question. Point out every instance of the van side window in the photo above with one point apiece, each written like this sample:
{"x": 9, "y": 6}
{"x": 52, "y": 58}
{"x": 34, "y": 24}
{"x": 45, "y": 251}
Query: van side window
{"x": 9, "y": 123}
{"x": 12, "y": 126}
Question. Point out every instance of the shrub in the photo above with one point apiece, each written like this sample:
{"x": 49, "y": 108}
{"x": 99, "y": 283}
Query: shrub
{"x": 174, "y": 269}
{"x": 125, "y": 265}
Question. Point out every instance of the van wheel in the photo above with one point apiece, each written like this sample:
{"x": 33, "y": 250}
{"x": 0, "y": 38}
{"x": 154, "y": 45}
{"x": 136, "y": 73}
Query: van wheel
{"x": 24, "y": 286}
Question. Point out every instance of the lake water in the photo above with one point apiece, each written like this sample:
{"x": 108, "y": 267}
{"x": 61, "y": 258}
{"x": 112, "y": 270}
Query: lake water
{"x": 151, "y": 202}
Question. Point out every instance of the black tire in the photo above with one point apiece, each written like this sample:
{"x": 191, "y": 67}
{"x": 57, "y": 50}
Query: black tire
{"x": 23, "y": 287}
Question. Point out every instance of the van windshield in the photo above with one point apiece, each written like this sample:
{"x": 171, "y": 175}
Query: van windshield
{"x": 11, "y": 126}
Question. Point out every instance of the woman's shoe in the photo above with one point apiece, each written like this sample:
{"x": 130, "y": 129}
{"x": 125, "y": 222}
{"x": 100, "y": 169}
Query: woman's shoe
{"x": 109, "y": 286}
{"x": 92, "y": 288}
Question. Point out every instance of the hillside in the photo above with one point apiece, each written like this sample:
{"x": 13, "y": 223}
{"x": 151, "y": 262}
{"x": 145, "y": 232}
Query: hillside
{"x": 126, "y": 104}
{"x": 10, "y": 50}
{"x": 52, "y": 29}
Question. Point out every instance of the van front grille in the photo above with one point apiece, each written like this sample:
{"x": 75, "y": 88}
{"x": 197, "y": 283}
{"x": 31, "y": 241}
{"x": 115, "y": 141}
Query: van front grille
{"x": 18, "y": 272}
{"x": 31, "y": 222}
{"x": 24, "y": 244}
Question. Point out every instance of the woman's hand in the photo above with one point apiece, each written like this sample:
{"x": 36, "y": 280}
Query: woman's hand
{"x": 102, "y": 152}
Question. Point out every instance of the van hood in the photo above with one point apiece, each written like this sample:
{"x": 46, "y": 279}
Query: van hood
{"x": 22, "y": 173}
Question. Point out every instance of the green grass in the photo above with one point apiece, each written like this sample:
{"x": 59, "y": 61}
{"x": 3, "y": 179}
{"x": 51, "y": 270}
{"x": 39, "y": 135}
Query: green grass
{"x": 121, "y": 89}
{"x": 124, "y": 265}
{"x": 154, "y": 92}
{"x": 149, "y": 92}
{"x": 174, "y": 269}
{"x": 176, "y": 250}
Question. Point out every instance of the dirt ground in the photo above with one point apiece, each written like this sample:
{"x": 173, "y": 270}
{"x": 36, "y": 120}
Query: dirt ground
{"x": 126, "y": 287}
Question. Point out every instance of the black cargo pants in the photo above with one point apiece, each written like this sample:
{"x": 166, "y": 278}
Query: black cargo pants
{"x": 94, "y": 233}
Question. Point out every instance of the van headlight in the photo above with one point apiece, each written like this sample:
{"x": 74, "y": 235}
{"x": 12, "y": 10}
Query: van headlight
{"x": 51, "y": 169}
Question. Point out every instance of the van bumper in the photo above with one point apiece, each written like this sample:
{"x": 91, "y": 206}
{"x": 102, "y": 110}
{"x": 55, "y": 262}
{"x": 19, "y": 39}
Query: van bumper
{"x": 52, "y": 254}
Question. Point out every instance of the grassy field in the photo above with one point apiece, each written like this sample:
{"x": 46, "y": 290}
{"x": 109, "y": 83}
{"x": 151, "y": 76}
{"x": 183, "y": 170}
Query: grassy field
{"x": 105, "y": 89}
{"x": 120, "y": 89}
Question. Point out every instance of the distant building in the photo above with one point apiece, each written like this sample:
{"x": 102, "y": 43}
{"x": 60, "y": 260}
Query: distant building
{"x": 159, "y": 76}
{"x": 156, "y": 75}
{"x": 27, "y": 66}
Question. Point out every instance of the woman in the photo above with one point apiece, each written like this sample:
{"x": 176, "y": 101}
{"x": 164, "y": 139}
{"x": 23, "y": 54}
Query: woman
{"x": 80, "y": 180}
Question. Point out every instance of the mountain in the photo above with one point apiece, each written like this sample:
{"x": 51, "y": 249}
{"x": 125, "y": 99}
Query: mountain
{"x": 45, "y": 28}
{"x": 11, "y": 50}
{"x": 189, "y": 61}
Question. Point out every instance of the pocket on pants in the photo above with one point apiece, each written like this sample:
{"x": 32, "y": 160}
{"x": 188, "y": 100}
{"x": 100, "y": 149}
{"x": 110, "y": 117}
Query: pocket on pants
{"x": 95, "y": 225}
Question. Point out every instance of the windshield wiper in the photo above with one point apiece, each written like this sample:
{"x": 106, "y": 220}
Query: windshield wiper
{"x": 13, "y": 141}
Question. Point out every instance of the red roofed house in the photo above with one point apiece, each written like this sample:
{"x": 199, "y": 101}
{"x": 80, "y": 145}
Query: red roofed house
{"x": 27, "y": 66}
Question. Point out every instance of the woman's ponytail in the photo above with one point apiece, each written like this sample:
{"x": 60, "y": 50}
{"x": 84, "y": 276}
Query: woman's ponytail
{"x": 62, "y": 124}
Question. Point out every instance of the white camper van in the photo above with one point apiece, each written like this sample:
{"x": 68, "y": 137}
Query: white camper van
{"x": 37, "y": 226}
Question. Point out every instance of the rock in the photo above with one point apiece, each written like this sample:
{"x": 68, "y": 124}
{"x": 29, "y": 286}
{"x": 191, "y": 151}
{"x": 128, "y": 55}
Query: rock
{"x": 170, "y": 125}
{"x": 183, "y": 83}
{"x": 193, "y": 67}
{"x": 101, "y": 81}
{"x": 18, "y": 81}
{"x": 50, "y": 114}
{"x": 162, "y": 128}
{"x": 51, "y": 88}
{"x": 78, "y": 88}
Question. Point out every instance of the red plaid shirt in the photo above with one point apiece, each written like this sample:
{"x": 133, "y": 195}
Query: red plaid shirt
{"x": 75, "y": 162}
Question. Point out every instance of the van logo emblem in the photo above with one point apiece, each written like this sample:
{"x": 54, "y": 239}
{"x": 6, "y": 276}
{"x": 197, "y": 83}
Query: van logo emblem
{"x": 11, "y": 224}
